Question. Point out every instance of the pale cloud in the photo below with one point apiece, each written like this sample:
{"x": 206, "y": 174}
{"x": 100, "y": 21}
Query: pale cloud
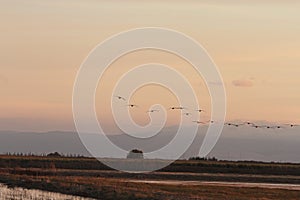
{"x": 242, "y": 83}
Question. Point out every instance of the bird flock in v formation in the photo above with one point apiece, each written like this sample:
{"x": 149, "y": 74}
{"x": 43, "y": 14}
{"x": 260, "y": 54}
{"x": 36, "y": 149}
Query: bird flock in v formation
{"x": 232, "y": 124}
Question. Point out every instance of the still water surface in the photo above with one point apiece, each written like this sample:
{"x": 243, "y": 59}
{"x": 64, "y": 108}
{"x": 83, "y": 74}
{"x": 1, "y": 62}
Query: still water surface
{"x": 26, "y": 194}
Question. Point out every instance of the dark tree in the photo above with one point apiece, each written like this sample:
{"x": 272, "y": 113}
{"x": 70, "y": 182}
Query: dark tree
{"x": 55, "y": 154}
{"x": 135, "y": 154}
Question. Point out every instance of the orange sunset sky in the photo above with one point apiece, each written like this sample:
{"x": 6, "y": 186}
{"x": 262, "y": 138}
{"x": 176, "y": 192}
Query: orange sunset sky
{"x": 255, "y": 44}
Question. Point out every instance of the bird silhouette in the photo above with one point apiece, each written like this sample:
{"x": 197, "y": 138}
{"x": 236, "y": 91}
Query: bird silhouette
{"x": 292, "y": 125}
{"x": 199, "y": 122}
{"x": 248, "y": 123}
{"x": 120, "y": 98}
{"x": 205, "y": 122}
{"x": 177, "y": 108}
{"x": 200, "y": 110}
{"x": 272, "y": 127}
{"x": 239, "y": 124}
{"x": 151, "y": 111}
{"x": 232, "y": 124}
{"x": 187, "y": 114}
{"x": 236, "y": 125}
{"x": 132, "y": 105}
{"x": 258, "y": 126}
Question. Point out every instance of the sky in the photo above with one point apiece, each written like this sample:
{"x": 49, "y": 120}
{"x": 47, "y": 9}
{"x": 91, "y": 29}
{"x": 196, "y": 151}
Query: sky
{"x": 255, "y": 45}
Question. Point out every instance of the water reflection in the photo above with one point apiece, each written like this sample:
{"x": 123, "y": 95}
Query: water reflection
{"x": 28, "y": 194}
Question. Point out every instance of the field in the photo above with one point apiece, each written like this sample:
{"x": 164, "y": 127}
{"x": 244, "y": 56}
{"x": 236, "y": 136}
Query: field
{"x": 193, "y": 179}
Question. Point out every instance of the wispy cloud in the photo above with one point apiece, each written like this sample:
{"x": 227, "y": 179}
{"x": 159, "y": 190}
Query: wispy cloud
{"x": 243, "y": 83}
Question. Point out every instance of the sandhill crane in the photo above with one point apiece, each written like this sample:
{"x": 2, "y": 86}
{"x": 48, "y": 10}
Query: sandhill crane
{"x": 272, "y": 127}
{"x": 120, "y": 97}
{"x": 187, "y": 114}
{"x": 199, "y": 122}
{"x": 292, "y": 125}
{"x": 132, "y": 106}
{"x": 232, "y": 124}
{"x": 151, "y": 111}
{"x": 239, "y": 124}
{"x": 205, "y": 122}
{"x": 177, "y": 108}
{"x": 258, "y": 126}
{"x": 248, "y": 123}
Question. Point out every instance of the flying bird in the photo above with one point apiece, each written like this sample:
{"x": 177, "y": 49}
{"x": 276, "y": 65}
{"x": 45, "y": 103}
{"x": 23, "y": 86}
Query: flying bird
{"x": 292, "y": 125}
{"x": 205, "y": 122}
{"x": 200, "y": 110}
{"x": 248, "y": 123}
{"x": 177, "y": 108}
{"x": 273, "y": 127}
{"x": 151, "y": 111}
{"x": 199, "y": 122}
{"x": 187, "y": 114}
{"x": 132, "y": 105}
{"x": 231, "y": 124}
{"x": 258, "y": 126}
{"x": 120, "y": 98}
{"x": 234, "y": 124}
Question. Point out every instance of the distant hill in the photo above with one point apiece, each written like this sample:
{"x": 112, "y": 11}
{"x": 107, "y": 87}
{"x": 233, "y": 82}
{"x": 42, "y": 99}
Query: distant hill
{"x": 242, "y": 143}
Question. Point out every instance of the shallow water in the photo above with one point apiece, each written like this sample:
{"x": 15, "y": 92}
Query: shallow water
{"x": 231, "y": 184}
{"x": 29, "y": 194}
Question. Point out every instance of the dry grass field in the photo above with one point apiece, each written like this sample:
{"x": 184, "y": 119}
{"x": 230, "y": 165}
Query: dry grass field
{"x": 87, "y": 177}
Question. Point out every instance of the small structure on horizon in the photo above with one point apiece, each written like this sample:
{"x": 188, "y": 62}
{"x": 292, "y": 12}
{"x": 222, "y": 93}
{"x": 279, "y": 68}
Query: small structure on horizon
{"x": 55, "y": 154}
{"x": 135, "y": 154}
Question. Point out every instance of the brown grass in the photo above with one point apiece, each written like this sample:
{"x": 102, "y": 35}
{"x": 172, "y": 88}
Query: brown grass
{"x": 122, "y": 188}
{"x": 88, "y": 178}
